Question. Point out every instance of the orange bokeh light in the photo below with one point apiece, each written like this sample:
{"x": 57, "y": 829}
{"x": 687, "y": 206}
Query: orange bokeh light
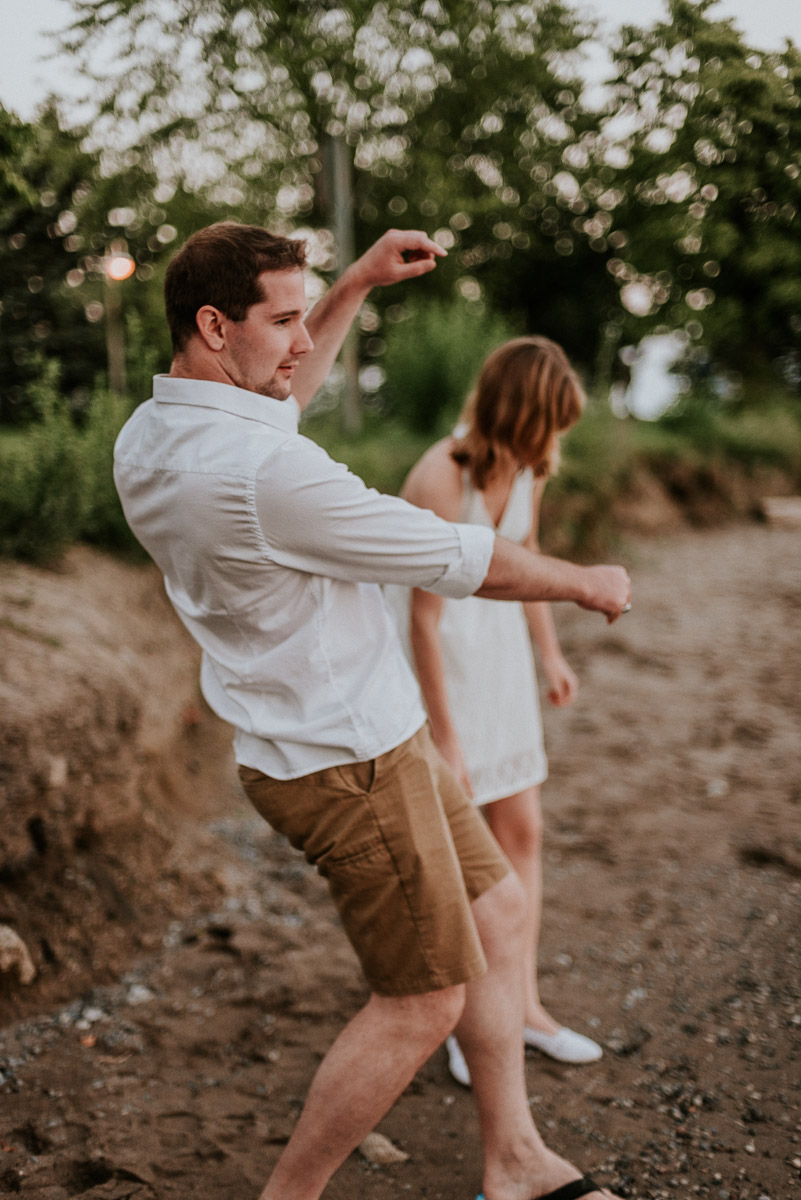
{"x": 120, "y": 266}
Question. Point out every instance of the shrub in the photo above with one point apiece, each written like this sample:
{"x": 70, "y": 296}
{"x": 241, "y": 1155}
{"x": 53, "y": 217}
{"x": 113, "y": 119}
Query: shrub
{"x": 597, "y": 461}
{"x": 764, "y": 435}
{"x": 43, "y": 496}
{"x": 432, "y": 359}
{"x": 104, "y": 523}
{"x": 56, "y": 483}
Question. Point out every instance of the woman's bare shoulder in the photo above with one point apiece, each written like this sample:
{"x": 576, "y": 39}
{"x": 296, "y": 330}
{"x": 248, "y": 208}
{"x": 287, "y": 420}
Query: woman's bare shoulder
{"x": 435, "y": 481}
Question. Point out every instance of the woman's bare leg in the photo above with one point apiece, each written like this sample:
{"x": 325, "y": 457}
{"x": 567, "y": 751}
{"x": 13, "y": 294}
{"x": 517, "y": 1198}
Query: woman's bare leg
{"x": 516, "y": 822}
{"x": 517, "y": 1163}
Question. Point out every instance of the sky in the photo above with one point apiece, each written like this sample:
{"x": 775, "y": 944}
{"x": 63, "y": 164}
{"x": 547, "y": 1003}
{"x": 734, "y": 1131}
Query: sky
{"x": 25, "y": 78}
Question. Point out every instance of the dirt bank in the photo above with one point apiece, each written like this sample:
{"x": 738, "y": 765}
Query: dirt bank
{"x": 105, "y": 749}
{"x": 673, "y": 881}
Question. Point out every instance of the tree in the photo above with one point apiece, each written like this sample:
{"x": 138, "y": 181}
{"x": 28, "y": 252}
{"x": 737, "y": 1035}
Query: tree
{"x": 458, "y": 116}
{"x": 497, "y": 170}
{"x": 707, "y": 221}
{"x": 61, "y": 217}
{"x": 42, "y": 315}
{"x": 676, "y": 207}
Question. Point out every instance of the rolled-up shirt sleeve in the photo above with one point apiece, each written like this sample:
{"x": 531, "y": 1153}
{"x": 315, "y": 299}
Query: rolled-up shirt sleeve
{"x": 316, "y": 516}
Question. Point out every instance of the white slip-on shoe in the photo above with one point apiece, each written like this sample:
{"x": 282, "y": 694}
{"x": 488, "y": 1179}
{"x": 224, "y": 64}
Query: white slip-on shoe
{"x": 566, "y": 1046}
{"x": 456, "y": 1063}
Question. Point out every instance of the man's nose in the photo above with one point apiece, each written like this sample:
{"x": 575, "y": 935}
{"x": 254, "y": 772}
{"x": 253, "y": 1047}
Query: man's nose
{"x": 303, "y": 342}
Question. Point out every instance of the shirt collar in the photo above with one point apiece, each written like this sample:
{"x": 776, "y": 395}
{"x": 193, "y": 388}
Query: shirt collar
{"x": 207, "y": 393}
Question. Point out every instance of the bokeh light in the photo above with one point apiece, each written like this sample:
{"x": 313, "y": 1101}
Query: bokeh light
{"x": 119, "y": 266}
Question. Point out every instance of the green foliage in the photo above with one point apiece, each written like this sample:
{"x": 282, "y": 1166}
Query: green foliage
{"x": 707, "y": 209}
{"x": 753, "y": 435}
{"x": 143, "y": 359}
{"x": 61, "y": 214}
{"x": 41, "y": 316}
{"x": 281, "y": 78}
{"x": 458, "y": 119}
{"x": 43, "y": 499}
{"x": 701, "y": 454}
{"x": 433, "y": 357}
{"x": 13, "y": 136}
{"x": 56, "y": 484}
{"x": 598, "y": 458}
{"x": 103, "y": 522}
{"x": 472, "y": 122}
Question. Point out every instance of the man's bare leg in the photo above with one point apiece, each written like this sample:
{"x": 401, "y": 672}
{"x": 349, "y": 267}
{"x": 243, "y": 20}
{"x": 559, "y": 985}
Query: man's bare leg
{"x": 371, "y": 1062}
{"x": 517, "y": 1163}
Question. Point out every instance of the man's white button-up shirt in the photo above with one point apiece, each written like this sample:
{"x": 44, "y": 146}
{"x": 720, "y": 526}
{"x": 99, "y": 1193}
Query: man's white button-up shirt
{"x": 272, "y": 555}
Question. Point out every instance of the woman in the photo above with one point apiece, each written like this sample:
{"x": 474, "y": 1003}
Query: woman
{"x": 473, "y": 657}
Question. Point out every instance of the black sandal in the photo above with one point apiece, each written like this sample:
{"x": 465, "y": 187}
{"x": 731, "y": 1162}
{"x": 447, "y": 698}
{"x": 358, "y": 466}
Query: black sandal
{"x": 573, "y": 1190}
{"x": 569, "y": 1191}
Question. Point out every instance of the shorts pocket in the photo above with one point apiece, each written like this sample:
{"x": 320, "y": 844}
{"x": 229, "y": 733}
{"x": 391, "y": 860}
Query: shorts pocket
{"x": 360, "y": 861}
{"x": 356, "y": 777}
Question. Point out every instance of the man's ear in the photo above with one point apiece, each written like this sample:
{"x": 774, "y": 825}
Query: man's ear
{"x": 211, "y": 326}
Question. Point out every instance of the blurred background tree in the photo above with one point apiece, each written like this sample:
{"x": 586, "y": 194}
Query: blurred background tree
{"x": 456, "y": 118}
{"x": 63, "y": 213}
{"x": 43, "y": 316}
{"x": 672, "y": 207}
{"x": 706, "y": 230}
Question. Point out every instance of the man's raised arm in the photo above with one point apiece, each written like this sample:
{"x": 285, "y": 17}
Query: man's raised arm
{"x": 398, "y": 255}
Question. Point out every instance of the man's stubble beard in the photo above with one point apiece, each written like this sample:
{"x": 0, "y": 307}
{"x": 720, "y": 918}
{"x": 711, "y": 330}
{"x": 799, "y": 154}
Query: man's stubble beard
{"x": 276, "y": 389}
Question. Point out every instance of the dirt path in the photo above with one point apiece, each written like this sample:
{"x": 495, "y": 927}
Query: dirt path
{"x": 673, "y": 882}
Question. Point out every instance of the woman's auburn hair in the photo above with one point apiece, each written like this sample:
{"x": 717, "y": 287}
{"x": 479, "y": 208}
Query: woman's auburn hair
{"x": 526, "y": 394}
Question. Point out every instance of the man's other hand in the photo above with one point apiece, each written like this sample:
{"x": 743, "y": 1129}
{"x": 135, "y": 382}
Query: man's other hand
{"x": 399, "y": 254}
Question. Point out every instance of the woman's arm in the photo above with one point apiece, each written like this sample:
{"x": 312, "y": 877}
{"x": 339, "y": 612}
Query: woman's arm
{"x": 426, "y": 610}
{"x": 435, "y": 483}
{"x": 562, "y": 680}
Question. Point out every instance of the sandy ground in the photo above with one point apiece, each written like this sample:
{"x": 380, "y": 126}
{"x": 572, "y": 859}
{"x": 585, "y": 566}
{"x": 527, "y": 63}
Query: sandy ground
{"x": 673, "y": 882}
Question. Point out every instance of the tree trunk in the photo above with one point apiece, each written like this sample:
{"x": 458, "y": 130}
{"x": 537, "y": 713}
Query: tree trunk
{"x": 115, "y": 337}
{"x": 339, "y": 205}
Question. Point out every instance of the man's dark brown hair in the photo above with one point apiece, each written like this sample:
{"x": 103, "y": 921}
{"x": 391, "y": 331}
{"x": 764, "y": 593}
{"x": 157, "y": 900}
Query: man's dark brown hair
{"x": 220, "y": 265}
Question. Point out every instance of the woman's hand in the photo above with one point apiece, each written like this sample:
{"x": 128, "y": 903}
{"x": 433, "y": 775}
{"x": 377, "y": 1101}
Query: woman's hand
{"x": 562, "y": 681}
{"x": 451, "y": 751}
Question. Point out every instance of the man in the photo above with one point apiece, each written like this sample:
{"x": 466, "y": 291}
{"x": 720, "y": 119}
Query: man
{"x": 273, "y": 555}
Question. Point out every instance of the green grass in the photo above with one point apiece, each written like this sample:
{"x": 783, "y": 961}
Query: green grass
{"x": 766, "y": 436}
{"x": 10, "y": 438}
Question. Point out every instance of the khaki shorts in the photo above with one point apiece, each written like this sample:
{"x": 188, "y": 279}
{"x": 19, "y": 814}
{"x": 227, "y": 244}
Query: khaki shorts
{"x": 404, "y": 852}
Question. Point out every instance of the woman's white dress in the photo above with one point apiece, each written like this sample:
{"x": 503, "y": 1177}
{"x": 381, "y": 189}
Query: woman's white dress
{"x": 489, "y": 666}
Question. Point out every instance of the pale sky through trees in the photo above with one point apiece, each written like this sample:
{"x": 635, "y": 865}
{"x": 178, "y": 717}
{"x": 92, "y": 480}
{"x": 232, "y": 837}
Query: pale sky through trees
{"x": 25, "y": 79}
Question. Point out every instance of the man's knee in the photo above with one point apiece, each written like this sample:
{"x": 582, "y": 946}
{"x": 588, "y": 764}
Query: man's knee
{"x": 444, "y": 1008}
{"x": 429, "y": 1016}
